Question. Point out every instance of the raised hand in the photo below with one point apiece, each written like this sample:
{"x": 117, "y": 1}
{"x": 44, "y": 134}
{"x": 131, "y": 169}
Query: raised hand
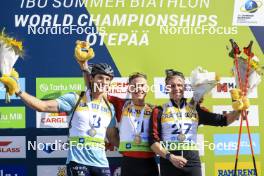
{"x": 11, "y": 82}
{"x": 83, "y": 52}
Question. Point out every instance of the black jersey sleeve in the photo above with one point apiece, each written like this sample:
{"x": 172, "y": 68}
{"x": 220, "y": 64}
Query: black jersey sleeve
{"x": 209, "y": 118}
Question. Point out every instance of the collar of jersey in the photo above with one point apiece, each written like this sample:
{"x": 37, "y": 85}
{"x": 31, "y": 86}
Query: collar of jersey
{"x": 183, "y": 103}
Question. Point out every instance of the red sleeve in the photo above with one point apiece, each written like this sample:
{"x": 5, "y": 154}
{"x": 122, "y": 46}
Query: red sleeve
{"x": 118, "y": 105}
{"x": 155, "y": 125}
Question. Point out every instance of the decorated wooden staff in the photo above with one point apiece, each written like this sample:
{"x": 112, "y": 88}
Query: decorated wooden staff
{"x": 10, "y": 51}
{"x": 247, "y": 73}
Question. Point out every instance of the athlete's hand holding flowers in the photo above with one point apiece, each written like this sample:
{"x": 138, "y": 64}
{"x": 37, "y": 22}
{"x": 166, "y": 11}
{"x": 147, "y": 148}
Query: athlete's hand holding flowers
{"x": 83, "y": 53}
{"x": 10, "y": 51}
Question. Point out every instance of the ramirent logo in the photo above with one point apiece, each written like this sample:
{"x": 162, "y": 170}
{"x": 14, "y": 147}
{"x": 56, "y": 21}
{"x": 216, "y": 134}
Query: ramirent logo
{"x": 243, "y": 169}
{"x": 240, "y": 172}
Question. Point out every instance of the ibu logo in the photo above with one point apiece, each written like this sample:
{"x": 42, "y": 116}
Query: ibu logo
{"x": 251, "y": 6}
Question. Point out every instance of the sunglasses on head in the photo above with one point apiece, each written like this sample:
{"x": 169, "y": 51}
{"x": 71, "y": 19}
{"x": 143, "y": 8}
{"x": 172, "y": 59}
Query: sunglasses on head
{"x": 171, "y": 72}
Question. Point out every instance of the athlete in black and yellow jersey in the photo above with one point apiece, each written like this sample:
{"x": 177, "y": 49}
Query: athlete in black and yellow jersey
{"x": 173, "y": 130}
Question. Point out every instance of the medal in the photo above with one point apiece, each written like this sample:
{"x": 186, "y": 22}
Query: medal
{"x": 137, "y": 124}
{"x": 92, "y": 132}
{"x": 137, "y": 139}
{"x": 181, "y": 137}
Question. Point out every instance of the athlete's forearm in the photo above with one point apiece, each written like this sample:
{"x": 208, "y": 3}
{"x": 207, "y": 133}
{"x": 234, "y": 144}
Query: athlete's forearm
{"x": 159, "y": 150}
{"x": 232, "y": 116}
{"x": 86, "y": 74}
{"x": 37, "y": 104}
{"x": 113, "y": 137}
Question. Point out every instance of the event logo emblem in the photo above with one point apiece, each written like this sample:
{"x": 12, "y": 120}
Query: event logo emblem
{"x": 251, "y": 6}
{"x": 61, "y": 171}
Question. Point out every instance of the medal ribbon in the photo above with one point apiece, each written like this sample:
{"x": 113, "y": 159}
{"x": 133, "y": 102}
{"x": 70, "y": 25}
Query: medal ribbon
{"x": 179, "y": 124}
{"x": 89, "y": 104}
{"x": 137, "y": 124}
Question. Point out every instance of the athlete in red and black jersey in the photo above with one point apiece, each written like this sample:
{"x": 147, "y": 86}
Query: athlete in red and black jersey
{"x": 133, "y": 117}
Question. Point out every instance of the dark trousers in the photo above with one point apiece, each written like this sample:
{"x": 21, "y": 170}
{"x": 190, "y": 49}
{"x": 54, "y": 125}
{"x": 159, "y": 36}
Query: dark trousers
{"x": 76, "y": 169}
{"x": 139, "y": 167}
{"x": 168, "y": 169}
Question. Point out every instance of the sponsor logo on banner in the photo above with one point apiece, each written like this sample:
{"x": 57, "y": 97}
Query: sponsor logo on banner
{"x": 119, "y": 88}
{"x": 226, "y": 144}
{"x": 50, "y": 146}
{"x": 160, "y": 89}
{"x": 248, "y": 13}
{"x": 253, "y": 114}
{"x": 51, "y": 88}
{"x": 226, "y": 84}
{"x": 13, "y": 97}
{"x": 243, "y": 169}
{"x": 12, "y": 147}
{"x": 51, "y": 170}
{"x": 52, "y": 120}
{"x": 8, "y": 170}
{"x": 12, "y": 117}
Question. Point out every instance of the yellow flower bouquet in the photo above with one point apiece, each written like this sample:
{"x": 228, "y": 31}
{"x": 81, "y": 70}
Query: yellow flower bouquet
{"x": 10, "y": 50}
